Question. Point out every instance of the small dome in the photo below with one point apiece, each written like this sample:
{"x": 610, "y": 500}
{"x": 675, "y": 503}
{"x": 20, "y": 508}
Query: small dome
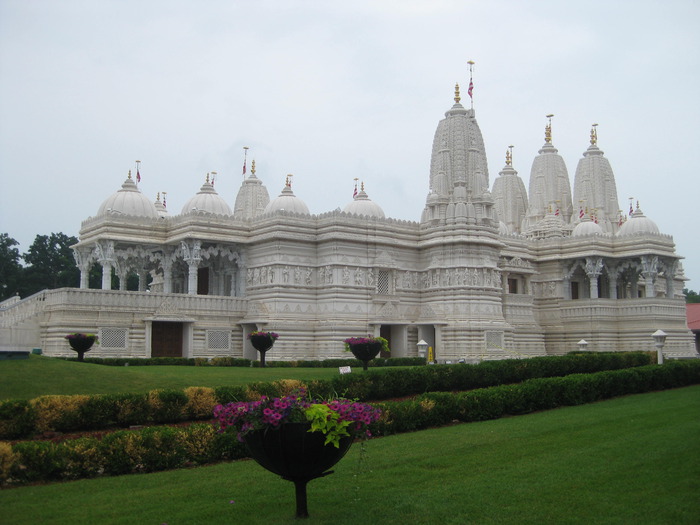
{"x": 207, "y": 201}
{"x": 128, "y": 201}
{"x": 586, "y": 227}
{"x": 287, "y": 201}
{"x": 363, "y": 205}
{"x": 638, "y": 223}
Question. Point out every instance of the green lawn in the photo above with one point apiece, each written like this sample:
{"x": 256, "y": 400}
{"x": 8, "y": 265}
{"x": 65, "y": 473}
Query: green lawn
{"x": 40, "y": 375}
{"x": 628, "y": 460}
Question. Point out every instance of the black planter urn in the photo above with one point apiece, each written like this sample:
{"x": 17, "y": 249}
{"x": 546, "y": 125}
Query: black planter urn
{"x": 365, "y": 352}
{"x": 81, "y": 345}
{"x": 295, "y": 454}
{"x": 262, "y": 343}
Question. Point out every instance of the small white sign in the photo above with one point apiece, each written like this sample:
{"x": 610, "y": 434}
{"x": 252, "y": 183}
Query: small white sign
{"x": 344, "y": 369}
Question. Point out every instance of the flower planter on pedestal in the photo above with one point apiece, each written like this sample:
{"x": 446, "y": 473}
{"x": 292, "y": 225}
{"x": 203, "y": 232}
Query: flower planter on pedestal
{"x": 295, "y": 454}
{"x": 365, "y": 352}
{"x": 262, "y": 343}
{"x": 81, "y": 345}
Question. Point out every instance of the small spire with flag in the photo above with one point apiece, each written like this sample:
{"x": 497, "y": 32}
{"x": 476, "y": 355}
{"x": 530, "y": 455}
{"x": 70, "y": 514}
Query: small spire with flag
{"x": 138, "y": 172}
{"x": 354, "y": 193}
{"x": 548, "y": 129}
{"x": 213, "y": 175}
{"x": 470, "y": 91}
{"x": 631, "y": 208}
{"x": 245, "y": 158}
{"x": 164, "y": 194}
{"x": 594, "y": 135}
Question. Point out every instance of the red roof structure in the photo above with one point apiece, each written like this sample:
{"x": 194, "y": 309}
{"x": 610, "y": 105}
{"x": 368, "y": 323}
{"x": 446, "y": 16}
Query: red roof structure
{"x": 692, "y": 314}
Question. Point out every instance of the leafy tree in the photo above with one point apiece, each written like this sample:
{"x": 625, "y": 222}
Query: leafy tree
{"x": 50, "y": 264}
{"x": 10, "y": 267}
{"x": 691, "y": 296}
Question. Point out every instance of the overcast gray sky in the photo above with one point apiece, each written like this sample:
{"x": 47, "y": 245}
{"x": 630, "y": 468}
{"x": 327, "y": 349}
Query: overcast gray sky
{"x": 330, "y": 91}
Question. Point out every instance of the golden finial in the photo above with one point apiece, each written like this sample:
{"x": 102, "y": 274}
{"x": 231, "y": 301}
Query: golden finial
{"x": 207, "y": 178}
{"x": 509, "y": 155}
{"x": 252, "y": 167}
{"x": 129, "y": 174}
{"x": 457, "y": 97}
{"x": 548, "y": 130}
{"x": 362, "y": 186}
{"x": 158, "y": 197}
{"x": 594, "y": 135}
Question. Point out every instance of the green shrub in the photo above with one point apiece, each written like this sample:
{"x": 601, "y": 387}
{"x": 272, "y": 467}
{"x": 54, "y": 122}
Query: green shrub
{"x": 229, "y": 394}
{"x": 131, "y": 409}
{"x": 201, "y": 401}
{"x": 17, "y": 419}
{"x": 167, "y": 405}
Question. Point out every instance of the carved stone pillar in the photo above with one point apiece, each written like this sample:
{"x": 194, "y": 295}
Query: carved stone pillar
{"x": 650, "y": 265}
{"x": 191, "y": 254}
{"x": 83, "y": 261}
{"x": 612, "y": 278}
{"x": 670, "y": 276}
{"x": 143, "y": 280}
{"x": 105, "y": 256}
{"x": 594, "y": 267}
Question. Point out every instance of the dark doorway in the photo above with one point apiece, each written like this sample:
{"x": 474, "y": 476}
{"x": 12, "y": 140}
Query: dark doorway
{"x": 166, "y": 339}
{"x": 203, "y": 281}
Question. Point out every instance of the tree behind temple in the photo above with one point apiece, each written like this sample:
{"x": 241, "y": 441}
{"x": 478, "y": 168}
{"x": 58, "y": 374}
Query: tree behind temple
{"x": 50, "y": 264}
{"x": 10, "y": 267}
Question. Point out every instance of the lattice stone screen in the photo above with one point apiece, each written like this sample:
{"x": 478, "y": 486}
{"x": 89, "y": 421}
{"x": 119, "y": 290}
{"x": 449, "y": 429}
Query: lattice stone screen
{"x": 383, "y": 282}
{"x": 218, "y": 339}
{"x": 494, "y": 340}
{"x": 113, "y": 337}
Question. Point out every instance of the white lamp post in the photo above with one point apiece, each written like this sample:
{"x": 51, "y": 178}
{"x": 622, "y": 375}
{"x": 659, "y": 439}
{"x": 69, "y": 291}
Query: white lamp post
{"x": 659, "y": 340}
{"x": 582, "y": 345}
{"x": 422, "y": 348}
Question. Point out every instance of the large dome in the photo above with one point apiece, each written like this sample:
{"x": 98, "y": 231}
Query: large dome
{"x": 207, "y": 201}
{"x": 363, "y": 205}
{"x": 128, "y": 201}
{"x": 287, "y": 201}
{"x": 638, "y": 224}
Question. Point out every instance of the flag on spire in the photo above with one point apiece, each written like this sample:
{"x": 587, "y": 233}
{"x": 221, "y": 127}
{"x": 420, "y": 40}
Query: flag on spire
{"x": 245, "y": 158}
{"x": 138, "y": 173}
{"x": 580, "y": 213}
{"x": 470, "y": 91}
{"x": 354, "y": 193}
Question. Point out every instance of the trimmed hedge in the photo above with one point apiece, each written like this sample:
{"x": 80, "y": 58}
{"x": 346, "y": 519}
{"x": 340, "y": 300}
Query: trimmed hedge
{"x": 159, "y": 448}
{"x": 235, "y": 361}
{"x": 440, "y": 408}
{"x": 19, "y": 419}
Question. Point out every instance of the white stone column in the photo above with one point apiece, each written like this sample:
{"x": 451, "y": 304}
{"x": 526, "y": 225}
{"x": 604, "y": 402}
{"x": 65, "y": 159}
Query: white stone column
{"x": 192, "y": 278}
{"x": 143, "y": 280}
{"x": 649, "y": 270}
{"x": 594, "y": 267}
{"x": 106, "y": 275}
{"x": 191, "y": 253}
